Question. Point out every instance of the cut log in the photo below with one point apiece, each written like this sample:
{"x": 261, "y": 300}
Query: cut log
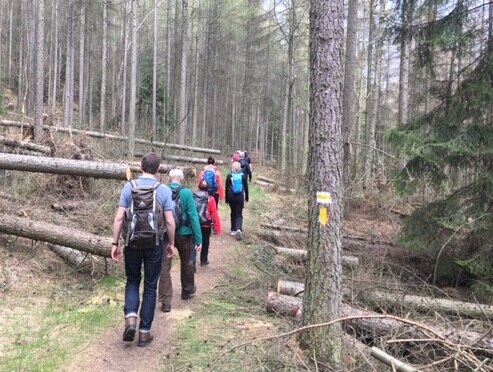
{"x": 372, "y": 325}
{"x": 300, "y": 255}
{"x": 72, "y": 167}
{"x": 55, "y": 234}
{"x": 24, "y": 145}
{"x": 430, "y": 304}
{"x": 71, "y": 256}
{"x": 284, "y": 305}
{"x": 10, "y": 123}
{"x": 290, "y": 288}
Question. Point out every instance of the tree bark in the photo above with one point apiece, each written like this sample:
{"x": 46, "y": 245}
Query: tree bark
{"x": 183, "y": 115}
{"x": 31, "y": 61}
{"x": 55, "y": 234}
{"x": 323, "y": 280}
{"x": 38, "y": 126}
{"x": 301, "y": 255}
{"x": 104, "y": 64}
{"x": 71, "y": 256}
{"x": 133, "y": 83}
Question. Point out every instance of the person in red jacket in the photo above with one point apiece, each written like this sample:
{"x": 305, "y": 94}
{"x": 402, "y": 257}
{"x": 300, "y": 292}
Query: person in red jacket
{"x": 216, "y": 188}
{"x": 209, "y": 223}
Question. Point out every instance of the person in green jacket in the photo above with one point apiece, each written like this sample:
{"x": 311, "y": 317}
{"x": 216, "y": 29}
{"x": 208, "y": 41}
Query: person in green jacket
{"x": 188, "y": 238}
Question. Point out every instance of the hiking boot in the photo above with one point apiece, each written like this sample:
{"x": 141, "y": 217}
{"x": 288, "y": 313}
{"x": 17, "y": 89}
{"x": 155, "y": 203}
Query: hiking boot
{"x": 239, "y": 235}
{"x": 185, "y": 295}
{"x": 232, "y": 233}
{"x": 145, "y": 338}
{"x": 166, "y": 308}
{"x": 130, "y": 328}
{"x": 204, "y": 263}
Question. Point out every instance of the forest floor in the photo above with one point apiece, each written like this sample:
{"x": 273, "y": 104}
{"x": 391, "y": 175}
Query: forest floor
{"x": 56, "y": 318}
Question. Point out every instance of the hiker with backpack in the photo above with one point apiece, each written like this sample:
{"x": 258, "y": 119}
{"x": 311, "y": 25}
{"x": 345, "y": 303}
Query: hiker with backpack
{"x": 212, "y": 176}
{"x": 245, "y": 163}
{"x": 145, "y": 213}
{"x": 208, "y": 217}
{"x": 188, "y": 240}
{"x": 236, "y": 196}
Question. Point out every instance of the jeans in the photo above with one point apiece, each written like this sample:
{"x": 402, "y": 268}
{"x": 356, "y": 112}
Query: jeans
{"x": 151, "y": 259}
{"x": 206, "y": 234}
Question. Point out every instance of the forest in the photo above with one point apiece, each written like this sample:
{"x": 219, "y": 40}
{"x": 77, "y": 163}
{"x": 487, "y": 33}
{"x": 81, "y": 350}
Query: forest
{"x": 387, "y": 105}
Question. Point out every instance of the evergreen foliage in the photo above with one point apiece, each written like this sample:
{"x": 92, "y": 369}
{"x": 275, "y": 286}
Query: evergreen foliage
{"x": 451, "y": 149}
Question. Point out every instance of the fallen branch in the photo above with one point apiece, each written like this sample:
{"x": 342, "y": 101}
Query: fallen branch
{"x": 389, "y": 360}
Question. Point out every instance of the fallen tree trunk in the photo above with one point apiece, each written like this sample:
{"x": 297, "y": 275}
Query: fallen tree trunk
{"x": 55, "y": 234}
{"x": 71, "y": 256}
{"x": 24, "y": 145}
{"x": 273, "y": 187}
{"x": 430, "y": 304}
{"x": 389, "y": 360}
{"x": 300, "y": 255}
{"x": 182, "y": 159}
{"x": 420, "y": 303}
{"x": 265, "y": 179}
{"x": 67, "y": 206}
{"x": 373, "y": 325}
{"x": 284, "y": 228}
{"x": 10, "y": 123}
{"x": 73, "y": 167}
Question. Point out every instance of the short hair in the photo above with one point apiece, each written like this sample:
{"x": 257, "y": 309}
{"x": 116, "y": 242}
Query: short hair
{"x": 236, "y": 166}
{"x": 211, "y": 160}
{"x": 176, "y": 174}
{"x": 204, "y": 186}
{"x": 150, "y": 163}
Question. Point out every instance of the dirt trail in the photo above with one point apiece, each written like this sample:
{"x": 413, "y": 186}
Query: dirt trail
{"x": 109, "y": 353}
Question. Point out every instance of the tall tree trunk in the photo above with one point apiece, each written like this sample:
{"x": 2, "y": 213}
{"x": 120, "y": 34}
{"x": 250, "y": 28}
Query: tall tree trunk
{"x": 31, "y": 61}
{"x": 124, "y": 72}
{"x": 82, "y": 30}
{"x": 323, "y": 281}
{"x": 69, "y": 69}
{"x": 11, "y": 16}
{"x": 133, "y": 82}
{"x": 154, "y": 69}
{"x": 404, "y": 62}
{"x": 38, "y": 126}
{"x": 348, "y": 94}
{"x": 20, "y": 84}
{"x": 183, "y": 116}
{"x": 168, "y": 67}
{"x": 104, "y": 64}
{"x": 55, "y": 56}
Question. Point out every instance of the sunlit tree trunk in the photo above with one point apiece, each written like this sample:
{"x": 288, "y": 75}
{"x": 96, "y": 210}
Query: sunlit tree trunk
{"x": 323, "y": 281}
{"x": 349, "y": 93}
{"x": 69, "y": 69}
{"x": 55, "y": 58}
{"x": 133, "y": 82}
{"x": 104, "y": 64}
{"x": 82, "y": 30}
{"x": 404, "y": 62}
{"x": 38, "y": 126}
{"x": 31, "y": 57}
{"x": 183, "y": 116}
{"x": 154, "y": 68}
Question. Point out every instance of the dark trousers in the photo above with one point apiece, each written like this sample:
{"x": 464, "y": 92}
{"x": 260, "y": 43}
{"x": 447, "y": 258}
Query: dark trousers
{"x": 216, "y": 198}
{"x": 236, "y": 215}
{"x": 184, "y": 245}
{"x": 206, "y": 234}
{"x": 151, "y": 260}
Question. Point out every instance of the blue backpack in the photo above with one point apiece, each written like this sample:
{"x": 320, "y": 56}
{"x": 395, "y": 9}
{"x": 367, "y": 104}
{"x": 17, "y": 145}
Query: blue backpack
{"x": 210, "y": 178}
{"x": 237, "y": 183}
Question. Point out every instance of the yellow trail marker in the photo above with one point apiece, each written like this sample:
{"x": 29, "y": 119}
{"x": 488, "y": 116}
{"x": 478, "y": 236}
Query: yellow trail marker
{"x": 323, "y": 200}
